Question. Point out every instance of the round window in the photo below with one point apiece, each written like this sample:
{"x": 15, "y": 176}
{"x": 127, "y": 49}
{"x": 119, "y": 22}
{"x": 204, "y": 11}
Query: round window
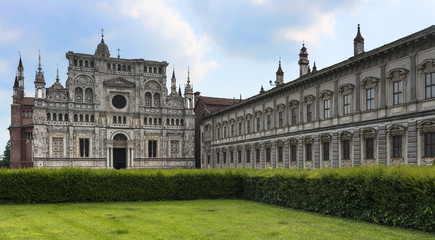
{"x": 119, "y": 101}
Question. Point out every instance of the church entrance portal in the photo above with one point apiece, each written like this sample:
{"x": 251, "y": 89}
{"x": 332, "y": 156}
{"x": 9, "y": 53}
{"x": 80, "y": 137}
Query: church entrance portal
{"x": 119, "y": 151}
{"x": 119, "y": 158}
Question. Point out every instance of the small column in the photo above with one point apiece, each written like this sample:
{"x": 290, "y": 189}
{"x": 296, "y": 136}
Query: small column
{"x": 262, "y": 155}
{"x": 413, "y": 78}
{"x": 108, "y": 158}
{"x": 132, "y": 157}
{"x": 128, "y": 158}
{"x": 383, "y": 90}
{"x": 301, "y": 152}
{"x": 357, "y": 92}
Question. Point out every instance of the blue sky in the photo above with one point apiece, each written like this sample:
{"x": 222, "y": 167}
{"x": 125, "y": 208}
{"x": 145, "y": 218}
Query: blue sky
{"x": 232, "y": 47}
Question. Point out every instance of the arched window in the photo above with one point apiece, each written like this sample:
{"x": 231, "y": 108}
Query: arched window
{"x": 92, "y": 118}
{"x": 177, "y": 122}
{"x": 48, "y": 117}
{"x": 89, "y": 95}
{"x": 150, "y": 121}
{"x": 160, "y": 121}
{"x": 124, "y": 120}
{"x": 160, "y": 70}
{"x": 145, "y": 69}
{"x": 124, "y": 68}
{"x": 145, "y": 121}
{"x": 172, "y": 122}
{"x": 114, "y": 67}
{"x": 86, "y": 64}
{"x": 75, "y": 62}
{"x": 92, "y": 64}
{"x": 79, "y": 95}
{"x": 155, "y": 121}
{"x": 129, "y": 68}
{"x": 81, "y": 63}
{"x": 148, "y": 99}
{"x": 114, "y": 119}
{"x": 60, "y": 117}
{"x": 156, "y": 100}
{"x": 181, "y": 122}
{"x": 65, "y": 118}
{"x": 119, "y": 67}
{"x": 119, "y": 119}
{"x": 155, "y": 70}
{"x": 81, "y": 117}
{"x": 54, "y": 117}
{"x": 76, "y": 119}
{"x": 108, "y": 66}
{"x": 86, "y": 118}
{"x": 167, "y": 121}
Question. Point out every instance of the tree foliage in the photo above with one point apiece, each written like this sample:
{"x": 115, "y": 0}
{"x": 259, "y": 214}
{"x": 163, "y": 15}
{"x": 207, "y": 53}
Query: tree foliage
{"x": 7, "y": 153}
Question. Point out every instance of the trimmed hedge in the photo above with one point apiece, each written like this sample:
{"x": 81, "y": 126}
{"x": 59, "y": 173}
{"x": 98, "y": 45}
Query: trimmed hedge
{"x": 397, "y": 196}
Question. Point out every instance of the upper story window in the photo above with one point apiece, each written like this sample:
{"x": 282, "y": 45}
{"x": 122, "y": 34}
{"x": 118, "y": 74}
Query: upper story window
{"x": 397, "y": 92}
{"x": 240, "y": 128}
{"x": 346, "y": 104}
{"x": 293, "y": 105}
{"x": 369, "y": 86}
{"x": 309, "y": 113}
{"x": 280, "y": 119}
{"x": 430, "y": 85}
{"x": 269, "y": 121}
{"x": 326, "y": 109}
{"x": 370, "y": 99}
{"x": 258, "y": 124}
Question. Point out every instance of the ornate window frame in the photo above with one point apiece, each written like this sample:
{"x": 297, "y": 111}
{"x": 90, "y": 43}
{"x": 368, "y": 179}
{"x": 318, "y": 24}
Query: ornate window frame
{"x": 293, "y": 106}
{"x": 325, "y": 138}
{"x": 366, "y": 84}
{"x": 280, "y": 111}
{"x": 396, "y": 76}
{"x": 346, "y": 89}
{"x": 366, "y": 135}
{"x": 327, "y": 102}
{"x": 309, "y": 101}
{"x": 426, "y": 67}
{"x": 394, "y": 131}
{"x": 424, "y": 127}
{"x": 345, "y": 136}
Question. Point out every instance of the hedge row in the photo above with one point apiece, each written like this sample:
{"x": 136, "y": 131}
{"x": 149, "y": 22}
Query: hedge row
{"x": 396, "y": 196}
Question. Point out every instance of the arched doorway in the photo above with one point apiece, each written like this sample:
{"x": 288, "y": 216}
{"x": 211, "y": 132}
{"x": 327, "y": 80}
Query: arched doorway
{"x": 119, "y": 151}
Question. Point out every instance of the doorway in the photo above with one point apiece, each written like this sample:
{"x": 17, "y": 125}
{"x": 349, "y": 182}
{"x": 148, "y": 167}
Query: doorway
{"x": 119, "y": 158}
{"x": 120, "y": 151}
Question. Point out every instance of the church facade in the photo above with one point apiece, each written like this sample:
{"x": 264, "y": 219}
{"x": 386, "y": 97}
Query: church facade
{"x": 111, "y": 113}
{"x": 377, "y": 107}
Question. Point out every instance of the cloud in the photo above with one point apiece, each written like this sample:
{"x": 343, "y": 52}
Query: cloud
{"x": 8, "y": 35}
{"x": 3, "y": 65}
{"x": 323, "y": 25}
{"x": 169, "y": 29}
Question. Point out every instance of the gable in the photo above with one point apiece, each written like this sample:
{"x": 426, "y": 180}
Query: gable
{"x": 119, "y": 82}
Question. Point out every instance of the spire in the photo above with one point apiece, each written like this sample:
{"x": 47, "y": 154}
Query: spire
{"x": 16, "y": 81}
{"x": 188, "y": 88}
{"x": 358, "y": 43}
{"x": 279, "y": 75}
{"x": 279, "y": 72}
{"x": 57, "y": 74}
{"x": 20, "y": 64}
{"x": 39, "y": 62}
{"x": 262, "y": 90}
{"x": 179, "y": 90}
{"x": 173, "y": 83}
{"x": 20, "y": 71}
{"x": 358, "y": 37}
{"x": 314, "y": 67}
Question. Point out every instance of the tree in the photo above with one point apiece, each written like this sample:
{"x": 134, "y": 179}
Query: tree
{"x": 7, "y": 153}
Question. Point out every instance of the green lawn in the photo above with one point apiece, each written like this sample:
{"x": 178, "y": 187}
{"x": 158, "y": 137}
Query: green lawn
{"x": 201, "y": 219}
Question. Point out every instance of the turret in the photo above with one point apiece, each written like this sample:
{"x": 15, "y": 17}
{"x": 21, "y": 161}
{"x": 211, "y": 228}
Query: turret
{"x": 279, "y": 75}
{"x": 188, "y": 92}
{"x": 39, "y": 81}
{"x": 303, "y": 61}
{"x": 358, "y": 43}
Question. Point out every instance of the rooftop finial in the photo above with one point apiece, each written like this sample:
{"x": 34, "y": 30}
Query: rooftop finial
{"x": 39, "y": 62}
{"x": 118, "y": 51}
{"x": 57, "y": 75}
{"x": 188, "y": 74}
{"x": 102, "y": 33}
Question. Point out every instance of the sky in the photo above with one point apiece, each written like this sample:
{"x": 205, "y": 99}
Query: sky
{"x": 232, "y": 47}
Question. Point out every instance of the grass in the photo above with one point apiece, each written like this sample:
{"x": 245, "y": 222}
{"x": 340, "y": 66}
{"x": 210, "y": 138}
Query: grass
{"x": 200, "y": 219}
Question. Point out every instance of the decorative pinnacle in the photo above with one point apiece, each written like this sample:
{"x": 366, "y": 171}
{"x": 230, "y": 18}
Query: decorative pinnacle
{"x": 118, "y": 51}
{"x": 188, "y": 74}
{"x": 57, "y": 75}
{"x": 39, "y": 62}
{"x": 102, "y": 32}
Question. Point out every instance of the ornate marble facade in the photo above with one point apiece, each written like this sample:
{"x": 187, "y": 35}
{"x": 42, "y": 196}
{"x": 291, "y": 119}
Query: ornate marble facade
{"x": 377, "y": 107}
{"x": 112, "y": 113}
